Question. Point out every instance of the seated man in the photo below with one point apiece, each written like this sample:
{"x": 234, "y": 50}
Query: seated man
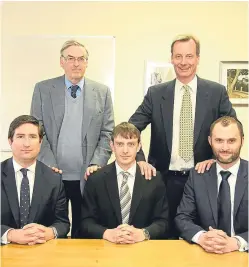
{"x": 33, "y": 202}
{"x": 119, "y": 205}
{"x": 214, "y": 209}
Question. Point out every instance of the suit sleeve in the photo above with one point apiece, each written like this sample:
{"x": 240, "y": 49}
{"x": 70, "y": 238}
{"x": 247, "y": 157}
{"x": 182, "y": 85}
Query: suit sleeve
{"x": 102, "y": 152}
{"x": 226, "y": 108}
{"x": 141, "y": 118}
{"x": 159, "y": 225}
{"x": 46, "y": 155}
{"x": 89, "y": 220}
{"x": 61, "y": 221}
{"x": 187, "y": 212}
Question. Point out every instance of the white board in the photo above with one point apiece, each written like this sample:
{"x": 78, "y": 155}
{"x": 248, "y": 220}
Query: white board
{"x": 27, "y": 60}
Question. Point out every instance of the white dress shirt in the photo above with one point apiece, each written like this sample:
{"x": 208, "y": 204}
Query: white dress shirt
{"x": 131, "y": 177}
{"x": 232, "y": 183}
{"x": 18, "y": 178}
{"x": 176, "y": 162}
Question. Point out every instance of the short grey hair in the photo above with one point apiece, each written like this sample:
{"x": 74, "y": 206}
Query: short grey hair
{"x": 185, "y": 38}
{"x": 72, "y": 43}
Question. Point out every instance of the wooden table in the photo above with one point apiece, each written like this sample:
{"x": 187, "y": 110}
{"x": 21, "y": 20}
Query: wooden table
{"x": 88, "y": 253}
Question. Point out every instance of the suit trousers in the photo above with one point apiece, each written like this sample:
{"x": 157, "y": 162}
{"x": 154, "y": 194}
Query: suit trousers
{"x": 174, "y": 189}
{"x": 73, "y": 193}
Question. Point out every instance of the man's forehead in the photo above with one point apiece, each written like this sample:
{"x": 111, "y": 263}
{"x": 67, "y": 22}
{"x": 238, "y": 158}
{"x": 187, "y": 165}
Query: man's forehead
{"x": 120, "y": 138}
{"x": 75, "y": 50}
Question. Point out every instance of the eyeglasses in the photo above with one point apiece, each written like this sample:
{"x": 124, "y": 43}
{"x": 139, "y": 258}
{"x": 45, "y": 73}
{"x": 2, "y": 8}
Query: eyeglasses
{"x": 71, "y": 59}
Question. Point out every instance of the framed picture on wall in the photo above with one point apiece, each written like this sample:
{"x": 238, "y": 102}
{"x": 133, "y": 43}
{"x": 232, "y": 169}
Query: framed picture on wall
{"x": 157, "y": 72}
{"x": 234, "y": 76}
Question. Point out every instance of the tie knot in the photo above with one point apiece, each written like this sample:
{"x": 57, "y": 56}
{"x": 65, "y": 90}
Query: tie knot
{"x": 74, "y": 89}
{"x": 125, "y": 176}
{"x": 24, "y": 172}
{"x": 186, "y": 88}
{"x": 225, "y": 174}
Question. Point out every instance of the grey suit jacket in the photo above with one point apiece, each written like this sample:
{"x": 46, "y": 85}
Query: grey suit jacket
{"x": 198, "y": 208}
{"x": 48, "y": 106}
{"x": 157, "y": 109}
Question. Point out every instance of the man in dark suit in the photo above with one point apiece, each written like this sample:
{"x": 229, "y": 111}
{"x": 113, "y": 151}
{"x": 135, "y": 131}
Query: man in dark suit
{"x": 119, "y": 205}
{"x": 33, "y": 202}
{"x": 214, "y": 209}
{"x": 180, "y": 113}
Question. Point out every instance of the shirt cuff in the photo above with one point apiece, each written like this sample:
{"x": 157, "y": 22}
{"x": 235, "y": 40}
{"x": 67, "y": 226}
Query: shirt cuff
{"x": 55, "y": 232}
{"x": 243, "y": 244}
{"x": 196, "y": 237}
{"x": 4, "y": 239}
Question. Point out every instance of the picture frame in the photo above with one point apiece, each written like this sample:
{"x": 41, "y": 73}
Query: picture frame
{"x": 234, "y": 76}
{"x": 157, "y": 72}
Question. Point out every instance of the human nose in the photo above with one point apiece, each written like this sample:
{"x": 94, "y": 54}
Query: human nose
{"x": 76, "y": 62}
{"x": 125, "y": 149}
{"x": 26, "y": 142}
{"x": 225, "y": 146}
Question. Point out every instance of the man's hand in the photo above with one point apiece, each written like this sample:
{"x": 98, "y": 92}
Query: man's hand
{"x": 47, "y": 232}
{"x": 200, "y": 167}
{"x": 146, "y": 169}
{"x": 111, "y": 235}
{"x": 91, "y": 170}
{"x": 26, "y": 236}
{"x": 130, "y": 234}
{"x": 56, "y": 170}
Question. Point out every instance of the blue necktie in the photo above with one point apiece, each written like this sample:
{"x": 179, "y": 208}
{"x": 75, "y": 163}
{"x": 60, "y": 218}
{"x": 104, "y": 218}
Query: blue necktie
{"x": 74, "y": 89}
{"x": 224, "y": 204}
{"x": 24, "y": 198}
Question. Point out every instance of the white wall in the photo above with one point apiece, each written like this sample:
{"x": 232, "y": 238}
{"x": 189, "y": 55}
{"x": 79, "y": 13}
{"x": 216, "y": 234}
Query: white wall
{"x": 143, "y": 31}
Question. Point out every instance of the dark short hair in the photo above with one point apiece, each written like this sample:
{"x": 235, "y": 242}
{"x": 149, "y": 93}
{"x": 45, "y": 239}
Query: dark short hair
{"x": 126, "y": 130}
{"x": 23, "y": 119}
{"x": 226, "y": 121}
{"x": 185, "y": 38}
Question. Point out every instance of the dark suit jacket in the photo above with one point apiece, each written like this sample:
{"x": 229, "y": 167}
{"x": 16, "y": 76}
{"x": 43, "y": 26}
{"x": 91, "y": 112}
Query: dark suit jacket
{"x": 198, "y": 208}
{"x": 157, "y": 109}
{"x": 48, "y": 205}
{"x": 101, "y": 204}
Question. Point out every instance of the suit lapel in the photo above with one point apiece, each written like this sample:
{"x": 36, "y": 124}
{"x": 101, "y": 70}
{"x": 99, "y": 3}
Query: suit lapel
{"x": 57, "y": 93}
{"x": 137, "y": 193}
{"x": 37, "y": 193}
{"x": 112, "y": 188}
{"x": 211, "y": 182}
{"x": 201, "y": 107}
{"x": 89, "y": 106}
{"x": 167, "y": 109}
{"x": 9, "y": 183}
{"x": 241, "y": 185}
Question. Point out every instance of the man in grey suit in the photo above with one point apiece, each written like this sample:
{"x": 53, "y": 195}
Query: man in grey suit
{"x": 77, "y": 115}
{"x": 180, "y": 113}
{"x": 214, "y": 209}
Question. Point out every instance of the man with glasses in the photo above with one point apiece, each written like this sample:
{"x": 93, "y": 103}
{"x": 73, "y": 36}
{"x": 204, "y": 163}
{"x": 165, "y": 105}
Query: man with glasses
{"x": 77, "y": 115}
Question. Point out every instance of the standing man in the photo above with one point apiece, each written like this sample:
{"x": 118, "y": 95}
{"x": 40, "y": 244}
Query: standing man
{"x": 214, "y": 209}
{"x": 180, "y": 113}
{"x": 33, "y": 202}
{"x": 77, "y": 116}
{"x": 119, "y": 205}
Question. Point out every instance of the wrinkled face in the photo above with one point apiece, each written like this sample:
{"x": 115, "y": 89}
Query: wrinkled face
{"x": 226, "y": 143}
{"x": 125, "y": 151}
{"x": 74, "y": 63}
{"x": 185, "y": 60}
{"x": 25, "y": 144}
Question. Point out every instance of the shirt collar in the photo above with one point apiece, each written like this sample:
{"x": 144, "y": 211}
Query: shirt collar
{"x": 234, "y": 169}
{"x": 18, "y": 167}
{"x": 192, "y": 84}
{"x": 69, "y": 84}
{"x": 131, "y": 170}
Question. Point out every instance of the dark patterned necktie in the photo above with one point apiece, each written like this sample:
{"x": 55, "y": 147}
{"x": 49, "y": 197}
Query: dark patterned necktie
{"x": 74, "y": 89}
{"x": 24, "y": 198}
{"x": 224, "y": 204}
{"x": 186, "y": 137}
{"x": 125, "y": 199}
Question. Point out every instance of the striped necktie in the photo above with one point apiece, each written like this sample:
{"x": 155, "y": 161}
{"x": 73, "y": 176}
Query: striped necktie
{"x": 125, "y": 199}
{"x": 186, "y": 137}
